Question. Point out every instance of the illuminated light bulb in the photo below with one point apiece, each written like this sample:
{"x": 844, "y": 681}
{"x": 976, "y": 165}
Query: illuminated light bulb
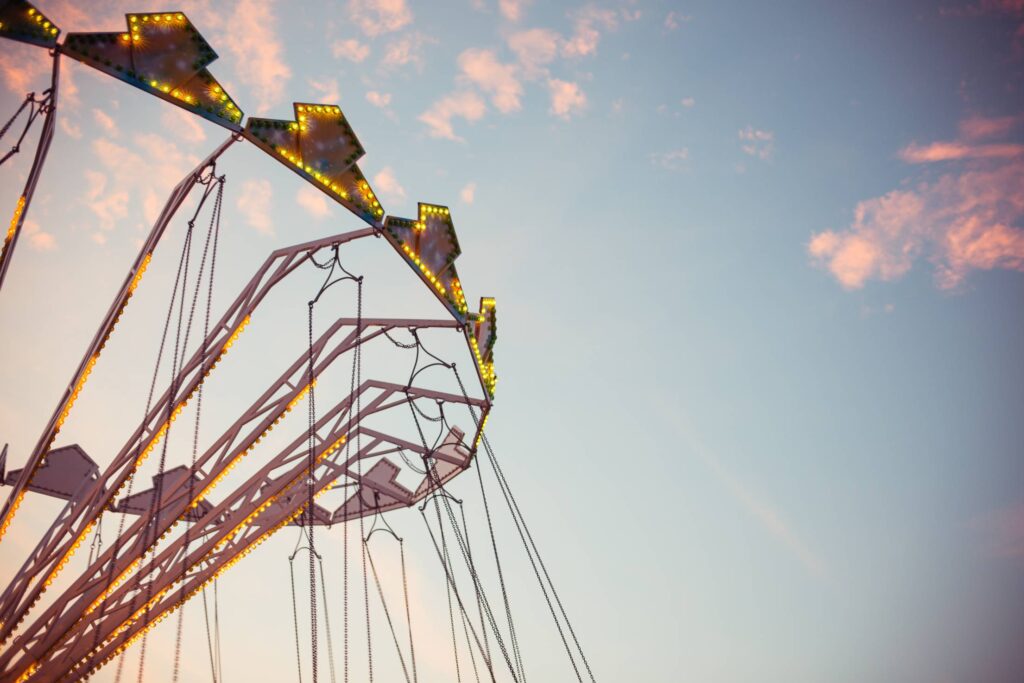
{"x": 31, "y": 11}
{"x": 181, "y": 17}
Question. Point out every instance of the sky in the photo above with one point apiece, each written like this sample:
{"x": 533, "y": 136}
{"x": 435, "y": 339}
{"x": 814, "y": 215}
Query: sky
{"x": 758, "y": 266}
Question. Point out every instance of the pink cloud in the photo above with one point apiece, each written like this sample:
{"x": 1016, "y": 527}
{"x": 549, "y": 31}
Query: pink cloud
{"x": 108, "y": 207}
{"x": 468, "y": 193}
{"x": 465, "y": 104}
{"x": 326, "y": 90}
{"x": 313, "y": 201}
{"x": 378, "y": 99}
{"x": 966, "y": 220}
{"x": 70, "y": 127}
{"x": 947, "y": 151}
{"x": 183, "y": 125}
{"x": 566, "y": 98}
{"x": 24, "y": 72}
{"x": 148, "y": 169}
{"x": 406, "y": 50}
{"x": 104, "y": 121}
{"x": 981, "y": 128}
{"x": 587, "y": 25}
{"x": 513, "y": 10}
{"x": 37, "y": 238}
{"x": 254, "y": 203}
{"x": 482, "y": 68}
{"x": 387, "y": 184}
{"x": 350, "y": 49}
{"x": 535, "y": 49}
{"x": 258, "y": 52}
{"x": 377, "y": 17}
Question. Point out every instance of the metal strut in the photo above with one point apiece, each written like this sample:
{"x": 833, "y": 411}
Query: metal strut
{"x": 49, "y": 111}
{"x": 38, "y": 455}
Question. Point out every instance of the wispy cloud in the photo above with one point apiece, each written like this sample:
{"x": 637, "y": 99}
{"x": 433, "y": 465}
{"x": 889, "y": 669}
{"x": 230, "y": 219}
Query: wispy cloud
{"x": 535, "y": 49}
{"x": 387, "y": 184}
{"x": 671, "y": 160}
{"x": 326, "y": 90}
{"x": 962, "y": 221}
{"x": 588, "y": 23}
{"x": 183, "y": 125}
{"x": 104, "y": 121}
{"x": 258, "y": 52}
{"x": 108, "y": 207}
{"x": 24, "y": 71}
{"x": 38, "y": 239}
{"x": 313, "y": 201}
{"x": 468, "y": 193}
{"x": 757, "y": 143}
{"x": 513, "y": 10}
{"x": 350, "y": 49}
{"x": 147, "y": 167}
{"x": 405, "y": 50}
{"x": 566, "y": 98}
{"x": 464, "y": 104}
{"x": 378, "y": 99}
{"x": 254, "y": 202}
{"x": 482, "y": 69}
{"x": 766, "y": 514}
{"x": 949, "y": 151}
{"x": 377, "y": 17}
{"x": 673, "y": 20}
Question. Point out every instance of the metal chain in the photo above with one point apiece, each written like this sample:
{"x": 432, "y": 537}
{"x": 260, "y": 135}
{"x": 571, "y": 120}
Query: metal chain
{"x": 527, "y": 539}
{"x": 209, "y": 639}
{"x": 327, "y": 619}
{"x": 408, "y": 617}
{"x": 295, "y": 616}
{"x": 214, "y": 234}
{"x": 309, "y": 505}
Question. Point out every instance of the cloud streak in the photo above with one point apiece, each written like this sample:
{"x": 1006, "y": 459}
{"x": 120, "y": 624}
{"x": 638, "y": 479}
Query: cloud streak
{"x": 765, "y": 514}
{"x": 966, "y": 219}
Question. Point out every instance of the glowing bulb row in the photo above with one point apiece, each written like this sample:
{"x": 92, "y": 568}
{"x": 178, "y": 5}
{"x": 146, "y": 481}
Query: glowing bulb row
{"x": 71, "y": 551}
{"x": 113, "y": 585}
{"x": 18, "y": 209}
{"x": 42, "y": 21}
{"x": 460, "y": 297}
{"x": 486, "y": 369}
{"x": 427, "y": 272}
{"x": 195, "y": 591}
{"x": 480, "y": 435}
{"x": 226, "y": 566}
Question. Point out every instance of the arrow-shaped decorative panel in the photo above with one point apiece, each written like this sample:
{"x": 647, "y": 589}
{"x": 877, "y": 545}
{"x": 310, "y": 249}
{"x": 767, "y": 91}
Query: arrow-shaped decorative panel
{"x": 430, "y": 246}
{"x": 321, "y": 147}
{"x": 482, "y": 336}
{"x": 163, "y": 54}
{"x": 21, "y": 21}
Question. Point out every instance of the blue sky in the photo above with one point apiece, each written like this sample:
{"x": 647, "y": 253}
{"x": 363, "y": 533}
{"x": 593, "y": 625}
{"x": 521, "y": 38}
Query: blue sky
{"x": 759, "y": 272}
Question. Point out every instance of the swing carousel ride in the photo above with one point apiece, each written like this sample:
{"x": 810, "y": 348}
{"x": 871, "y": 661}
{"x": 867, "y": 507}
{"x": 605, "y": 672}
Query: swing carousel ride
{"x": 381, "y": 444}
